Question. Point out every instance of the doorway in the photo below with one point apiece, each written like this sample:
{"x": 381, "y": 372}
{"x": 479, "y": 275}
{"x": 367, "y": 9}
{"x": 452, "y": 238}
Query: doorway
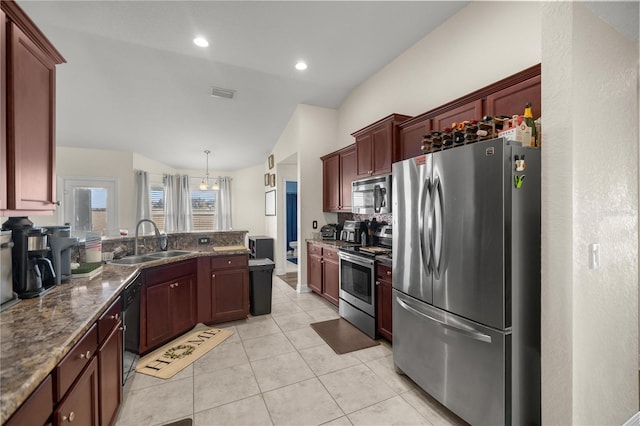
{"x": 291, "y": 205}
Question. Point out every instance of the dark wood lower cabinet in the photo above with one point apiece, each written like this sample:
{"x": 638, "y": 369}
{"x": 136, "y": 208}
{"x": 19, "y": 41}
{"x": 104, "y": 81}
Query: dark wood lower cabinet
{"x": 37, "y": 409}
{"x": 110, "y": 376}
{"x": 230, "y": 294}
{"x": 330, "y": 275}
{"x": 314, "y": 273}
{"x": 80, "y": 405}
{"x": 384, "y": 302}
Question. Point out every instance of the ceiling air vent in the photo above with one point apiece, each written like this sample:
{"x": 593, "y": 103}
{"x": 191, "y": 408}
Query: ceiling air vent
{"x": 218, "y": 92}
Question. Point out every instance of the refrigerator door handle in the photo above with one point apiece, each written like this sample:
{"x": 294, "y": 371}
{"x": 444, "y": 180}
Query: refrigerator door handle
{"x": 474, "y": 334}
{"x": 425, "y": 251}
{"x": 437, "y": 228}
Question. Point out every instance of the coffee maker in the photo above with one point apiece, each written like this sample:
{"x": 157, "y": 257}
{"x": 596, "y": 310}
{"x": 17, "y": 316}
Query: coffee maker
{"x": 60, "y": 243}
{"x": 32, "y": 272}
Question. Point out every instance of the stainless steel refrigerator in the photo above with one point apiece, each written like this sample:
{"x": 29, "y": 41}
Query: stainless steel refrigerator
{"x": 466, "y": 279}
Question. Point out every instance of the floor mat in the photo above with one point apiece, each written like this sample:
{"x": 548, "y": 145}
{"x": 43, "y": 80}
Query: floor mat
{"x": 171, "y": 358}
{"x": 342, "y": 336}
{"x": 290, "y": 278}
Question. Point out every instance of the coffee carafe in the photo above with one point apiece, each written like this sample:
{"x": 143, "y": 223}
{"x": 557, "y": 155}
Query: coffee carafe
{"x": 32, "y": 271}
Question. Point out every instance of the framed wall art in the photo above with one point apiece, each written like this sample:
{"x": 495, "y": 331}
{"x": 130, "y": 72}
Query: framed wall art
{"x": 273, "y": 180}
{"x": 267, "y": 179}
{"x": 271, "y": 162}
{"x": 270, "y": 203}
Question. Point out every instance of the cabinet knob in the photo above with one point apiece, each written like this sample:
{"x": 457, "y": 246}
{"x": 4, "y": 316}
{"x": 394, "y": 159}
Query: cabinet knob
{"x": 388, "y": 272}
{"x": 213, "y": 275}
{"x": 86, "y": 355}
{"x": 229, "y": 262}
{"x": 114, "y": 317}
{"x": 377, "y": 282}
{"x": 69, "y": 418}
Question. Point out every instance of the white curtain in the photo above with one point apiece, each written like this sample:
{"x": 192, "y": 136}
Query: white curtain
{"x": 183, "y": 210}
{"x": 170, "y": 204}
{"x": 223, "y": 204}
{"x": 143, "y": 200}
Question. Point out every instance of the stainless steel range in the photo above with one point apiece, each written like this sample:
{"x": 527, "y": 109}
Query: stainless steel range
{"x": 357, "y": 303}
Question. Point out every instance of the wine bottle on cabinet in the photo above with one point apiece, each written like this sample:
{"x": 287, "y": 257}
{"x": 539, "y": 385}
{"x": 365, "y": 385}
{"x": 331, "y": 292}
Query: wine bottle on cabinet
{"x": 528, "y": 119}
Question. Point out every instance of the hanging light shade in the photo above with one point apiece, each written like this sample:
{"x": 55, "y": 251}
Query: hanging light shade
{"x": 214, "y": 185}
{"x": 204, "y": 184}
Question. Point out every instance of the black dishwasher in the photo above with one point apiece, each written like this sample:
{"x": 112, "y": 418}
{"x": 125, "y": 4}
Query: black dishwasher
{"x": 131, "y": 325}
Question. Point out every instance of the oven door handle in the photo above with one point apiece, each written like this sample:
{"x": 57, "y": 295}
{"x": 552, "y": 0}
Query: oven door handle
{"x": 356, "y": 259}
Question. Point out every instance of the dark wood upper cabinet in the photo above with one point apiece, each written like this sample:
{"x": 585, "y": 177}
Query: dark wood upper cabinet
{"x": 513, "y": 99}
{"x": 376, "y": 146}
{"x": 27, "y": 175}
{"x": 505, "y": 97}
{"x": 470, "y": 111}
{"x": 338, "y": 171}
{"x": 411, "y": 139}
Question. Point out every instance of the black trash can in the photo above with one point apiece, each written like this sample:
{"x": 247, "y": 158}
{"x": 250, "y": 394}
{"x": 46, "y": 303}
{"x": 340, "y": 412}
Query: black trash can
{"x": 260, "y": 272}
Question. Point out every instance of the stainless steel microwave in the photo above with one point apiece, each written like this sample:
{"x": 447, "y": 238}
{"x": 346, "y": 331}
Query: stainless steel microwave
{"x": 371, "y": 195}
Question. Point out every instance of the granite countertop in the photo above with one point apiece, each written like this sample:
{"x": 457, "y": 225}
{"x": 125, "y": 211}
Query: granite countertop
{"x": 331, "y": 243}
{"x": 36, "y": 334}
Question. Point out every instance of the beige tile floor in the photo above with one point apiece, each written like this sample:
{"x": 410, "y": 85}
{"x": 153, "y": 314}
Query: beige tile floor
{"x": 275, "y": 370}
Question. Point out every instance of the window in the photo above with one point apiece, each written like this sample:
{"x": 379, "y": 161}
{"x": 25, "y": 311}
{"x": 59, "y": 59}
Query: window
{"x": 203, "y": 206}
{"x": 90, "y": 204}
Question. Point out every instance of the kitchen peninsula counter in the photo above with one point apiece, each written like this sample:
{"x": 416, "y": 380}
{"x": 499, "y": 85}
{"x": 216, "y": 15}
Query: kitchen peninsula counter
{"x": 36, "y": 334}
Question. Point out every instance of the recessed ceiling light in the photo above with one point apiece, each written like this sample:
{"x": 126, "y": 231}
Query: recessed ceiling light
{"x": 200, "y": 41}
{"x": 301, "y": 66}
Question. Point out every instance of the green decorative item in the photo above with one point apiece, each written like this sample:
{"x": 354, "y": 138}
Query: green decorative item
{"x": 178, "y": 352}
{"x": 518, "y": 181}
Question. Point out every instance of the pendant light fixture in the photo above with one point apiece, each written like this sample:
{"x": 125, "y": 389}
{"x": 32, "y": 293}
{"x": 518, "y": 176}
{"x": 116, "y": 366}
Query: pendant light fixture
{"x": 204, "y": 184}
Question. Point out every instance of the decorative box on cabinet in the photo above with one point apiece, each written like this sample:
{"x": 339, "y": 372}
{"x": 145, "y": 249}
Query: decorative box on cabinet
{"x": 338, "y": 171}
{"x": 376, "y": 146}
{"x": 27, "y": 163}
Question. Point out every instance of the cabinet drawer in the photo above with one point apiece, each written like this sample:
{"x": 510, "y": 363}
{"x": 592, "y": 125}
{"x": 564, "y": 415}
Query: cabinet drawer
{"x": 71, "y": 365}
{"x": 330, "y": 254}
{"x": 161, "y": 274}
{"x": 108, "y": 320}
{"x": 225, "y": 262}
{"x": 37, "y": 408}
{"x": 314, "y": 249}
{"x": 383, "y": 272}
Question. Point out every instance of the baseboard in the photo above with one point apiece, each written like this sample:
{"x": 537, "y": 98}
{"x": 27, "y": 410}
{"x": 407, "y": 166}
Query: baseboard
{"x": 633, "y": 421}
{"x": 303, "y": 288}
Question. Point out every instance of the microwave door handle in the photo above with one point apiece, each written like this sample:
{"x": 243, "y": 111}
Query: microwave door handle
{"x": 425, "y": 252}
{"x": 376, "y": 199}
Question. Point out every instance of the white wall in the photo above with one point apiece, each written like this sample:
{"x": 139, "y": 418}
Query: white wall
{"x": 590, "y": 187}
{"x": 246, "y": 186}
{"x": 469, "y": 51}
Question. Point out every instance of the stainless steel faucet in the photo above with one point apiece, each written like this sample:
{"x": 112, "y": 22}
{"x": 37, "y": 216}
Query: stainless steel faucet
{"x": 162, "y": 241}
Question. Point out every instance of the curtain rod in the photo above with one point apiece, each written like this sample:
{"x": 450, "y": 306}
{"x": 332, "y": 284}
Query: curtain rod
{"x": 174, "y": 174}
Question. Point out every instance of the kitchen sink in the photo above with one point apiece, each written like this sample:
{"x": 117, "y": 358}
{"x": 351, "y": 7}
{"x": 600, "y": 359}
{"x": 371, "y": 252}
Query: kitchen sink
{"x": 133, "y": 260}
{"x": 149, "y": 257}
{"x": 170, "y": 253}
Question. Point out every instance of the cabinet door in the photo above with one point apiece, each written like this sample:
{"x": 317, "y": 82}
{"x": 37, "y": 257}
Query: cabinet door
{"x": 512, "y": 100}
{"x": 411, "y": 139}
{"x": 331, "y": 184}
{"x": 470, "y": 111}
{"x": 364, "y": 155}
{"x": 37, "y": 409}
{"x": 384, "y": 317}
{"x": 158, "y": 319}
{"x": 182, "y": 298}
{"x": 30, "y": 126}
{"x": 203, "y": 291}
{"x": 110, "y": 376}
{"x": 348, "y": 164}
{"x": 3, "y": 109}
{"x": 381, "y": 141}
{"x": 331, "y": 278}
{"x": 314, "y": 273}
{"x": 230, "y": 294}
{"x": 80, "y": 405}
